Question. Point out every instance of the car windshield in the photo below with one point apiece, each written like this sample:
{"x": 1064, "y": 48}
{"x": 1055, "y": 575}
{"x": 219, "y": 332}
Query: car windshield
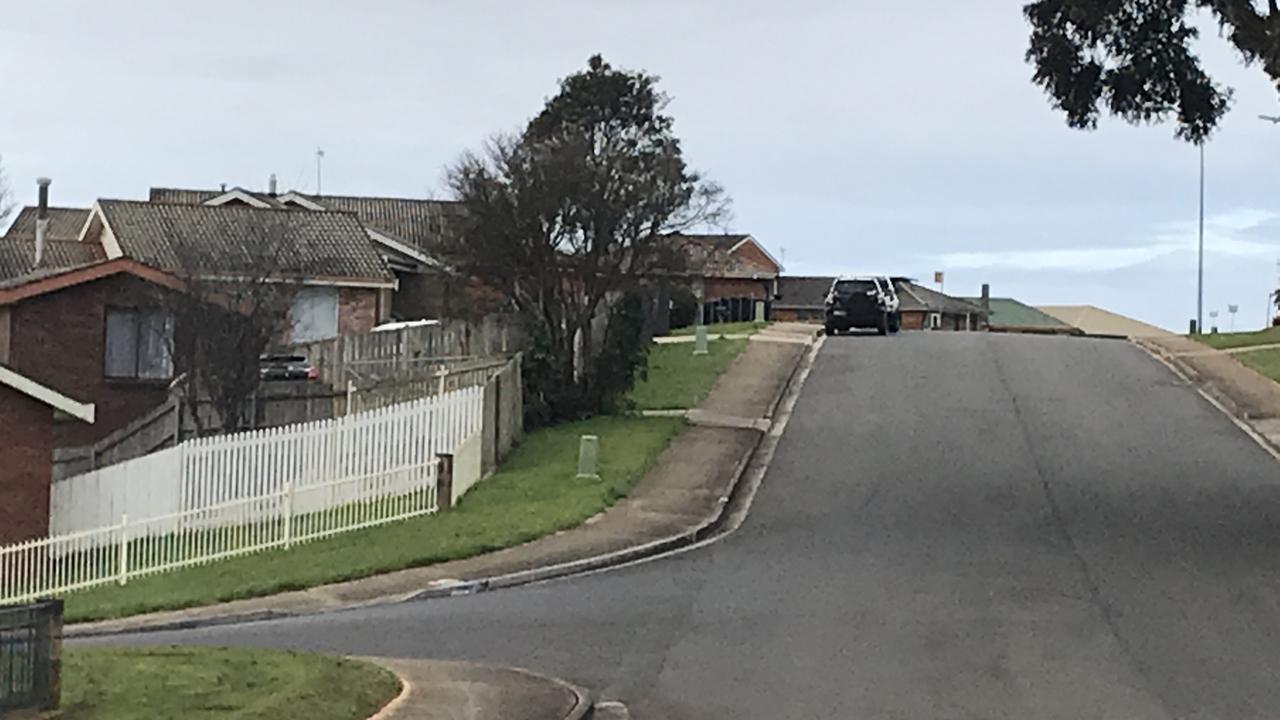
{"x": 845, "y": 288}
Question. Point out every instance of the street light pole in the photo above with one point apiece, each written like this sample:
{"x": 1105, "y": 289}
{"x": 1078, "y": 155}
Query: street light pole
{"x": 1200, "y": 264}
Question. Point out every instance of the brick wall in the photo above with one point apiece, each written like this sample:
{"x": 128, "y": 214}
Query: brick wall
{"x": 357, "y": 310}
{"x": 58, "y": 339}
{"x": 25, "y": 473}
{"x": 717, "y": 288}
{"x": 751, "y": 253}
{"x": 438, "y": 296}
{"x": 811, "y": 315}
{"x": 913, "y": 320}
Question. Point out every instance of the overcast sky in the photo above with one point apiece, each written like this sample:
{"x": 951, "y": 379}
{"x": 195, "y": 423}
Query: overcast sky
{"x": 853, "y": 136}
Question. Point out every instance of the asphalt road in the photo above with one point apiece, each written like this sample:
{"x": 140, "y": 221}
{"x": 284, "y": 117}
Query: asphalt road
{"x": 954, "y": 526}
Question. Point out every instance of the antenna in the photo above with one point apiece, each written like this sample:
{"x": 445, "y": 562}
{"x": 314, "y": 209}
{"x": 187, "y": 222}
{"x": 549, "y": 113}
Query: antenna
{"x": 319, "y": 157}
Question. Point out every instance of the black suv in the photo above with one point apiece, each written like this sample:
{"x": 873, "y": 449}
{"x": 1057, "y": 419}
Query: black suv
{"x": 864, "y": 303}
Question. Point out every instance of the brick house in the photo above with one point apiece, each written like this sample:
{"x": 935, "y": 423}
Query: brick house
{"x": 29, "y": 415}
{"x": 925, "y": 309}
{"x": 96, "y": 332}
{"x": 731, "y": 273}
{"x": 408, "y": 233}
{"x": 801, "y": 298}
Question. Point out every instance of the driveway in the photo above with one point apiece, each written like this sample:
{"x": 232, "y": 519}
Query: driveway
{"x": 954, "y": 526}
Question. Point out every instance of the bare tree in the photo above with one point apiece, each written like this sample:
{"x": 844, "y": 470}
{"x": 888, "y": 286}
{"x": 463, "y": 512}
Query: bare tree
{"x": 228, "y": 316}
{"x": 6, "y": 195}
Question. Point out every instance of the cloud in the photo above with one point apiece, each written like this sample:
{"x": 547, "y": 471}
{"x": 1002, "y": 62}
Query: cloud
{"x": 1233, "y": 233}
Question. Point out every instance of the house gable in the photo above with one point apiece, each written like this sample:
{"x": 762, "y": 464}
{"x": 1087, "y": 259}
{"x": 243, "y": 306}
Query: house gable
{"x": 750, "y": 250}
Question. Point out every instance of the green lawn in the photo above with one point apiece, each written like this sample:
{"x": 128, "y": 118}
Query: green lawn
{"x": 679, "y": 379}
{"x": 145, "y": 683}
{"x": 1266, "y": 362}
{"x": 1223, "y": 341}
{"x": 736, "y": 328}
{"x": 534, "y": 494}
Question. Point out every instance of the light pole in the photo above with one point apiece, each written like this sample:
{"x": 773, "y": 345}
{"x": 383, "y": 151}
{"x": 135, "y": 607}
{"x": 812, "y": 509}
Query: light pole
{"x": 1200, "y": 263}
{"x": 1233, "y": 309}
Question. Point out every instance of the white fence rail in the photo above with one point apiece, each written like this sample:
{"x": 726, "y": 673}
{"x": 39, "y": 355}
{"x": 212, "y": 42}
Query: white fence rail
{"x": 232, "y": 495}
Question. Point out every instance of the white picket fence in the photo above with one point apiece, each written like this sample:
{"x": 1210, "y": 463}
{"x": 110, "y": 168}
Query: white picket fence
{"x": 236, "y": 494}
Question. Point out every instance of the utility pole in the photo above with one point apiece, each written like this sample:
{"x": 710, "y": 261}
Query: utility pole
{"x": 1200, "y": 264}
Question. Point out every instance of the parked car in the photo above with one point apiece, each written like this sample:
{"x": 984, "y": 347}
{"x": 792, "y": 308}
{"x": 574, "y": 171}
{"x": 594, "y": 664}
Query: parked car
{"x": 286, "y": 367}
{"x": 862, "y": 302}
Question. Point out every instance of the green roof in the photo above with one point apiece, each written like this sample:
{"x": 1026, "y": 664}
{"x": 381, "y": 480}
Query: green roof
{"x": 1007, "y": 312}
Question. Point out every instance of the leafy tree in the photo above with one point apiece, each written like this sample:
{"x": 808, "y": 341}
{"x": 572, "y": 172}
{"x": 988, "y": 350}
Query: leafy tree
{"x": 569, "y": 217}
{"x": 1134, "y": 59}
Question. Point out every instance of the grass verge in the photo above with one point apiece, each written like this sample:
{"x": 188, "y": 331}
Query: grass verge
{"x": 679, "y": 379}
{"x": 534, "y": 494}
{"x": 144, "y": 683}
{"x": 734, "y": 328}
{"x": 1224, "y": 341}
{"x": 1266, "y": 362}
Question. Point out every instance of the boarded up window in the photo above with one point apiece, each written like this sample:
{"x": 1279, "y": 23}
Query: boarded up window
{"x": 315, "y": 314}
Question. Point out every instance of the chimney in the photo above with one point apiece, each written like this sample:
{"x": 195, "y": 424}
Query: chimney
{"x": 42, "y": 218}
{"x": 271, "y": 185}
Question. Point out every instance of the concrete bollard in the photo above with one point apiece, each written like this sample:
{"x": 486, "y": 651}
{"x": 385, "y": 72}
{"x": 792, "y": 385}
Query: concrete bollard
{"x": 700, "y": 340}
{"x": 589, "y": 457}
{"x": 760, "y": 311}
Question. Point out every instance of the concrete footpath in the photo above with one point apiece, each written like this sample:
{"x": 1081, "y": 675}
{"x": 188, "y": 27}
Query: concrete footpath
{"x": 679, "y": 502}
{"x": 436, "y": 690}
{"x": 1251, "y": 398}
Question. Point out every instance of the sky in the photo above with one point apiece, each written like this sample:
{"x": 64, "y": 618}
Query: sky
{"x": 853, "y": 136}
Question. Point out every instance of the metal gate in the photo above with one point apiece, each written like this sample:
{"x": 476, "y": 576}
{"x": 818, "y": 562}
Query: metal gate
{"x": 30, "y": 656}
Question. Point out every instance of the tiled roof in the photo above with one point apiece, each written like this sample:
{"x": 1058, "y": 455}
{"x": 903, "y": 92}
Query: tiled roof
{"x": 183, "y": 196}
{"x": 424, "y": 224}
{"x": 200, "y": 239}
{"x": 803, "y": 292}
{"x": 420, "y": 223}
{"x": 1009, "y": 313}
{"x": 18, "y": 255}
{"x": 64, "y": 223}
{"x": 916, "y": 298}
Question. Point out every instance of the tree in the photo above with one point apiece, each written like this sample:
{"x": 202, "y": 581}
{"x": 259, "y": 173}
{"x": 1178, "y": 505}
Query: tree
{"x": 572, "y": 215}
{"x": 225, "y": 320}
{"x": 6, "y": 195}
{"x": 1134, "y": 58}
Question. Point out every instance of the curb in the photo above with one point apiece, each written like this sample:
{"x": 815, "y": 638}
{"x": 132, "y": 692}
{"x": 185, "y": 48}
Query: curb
{"x": 695, "y": 535}
{"x": 582, "y": 698}
{"x": 1210, "y": 392}
{"x": 637, "y": 552}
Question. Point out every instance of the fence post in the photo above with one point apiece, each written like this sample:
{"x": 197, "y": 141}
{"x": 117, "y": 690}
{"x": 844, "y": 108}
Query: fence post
{"x": 444, "y": 480}
{"x": 288, "y": 514}
{"x": 444, "y": 374}
{"x": 124, "y": 549}
{"x": 351, "y": 395}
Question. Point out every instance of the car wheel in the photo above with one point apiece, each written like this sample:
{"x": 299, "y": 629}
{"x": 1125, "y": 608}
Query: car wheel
{"x": 831, "y": 330}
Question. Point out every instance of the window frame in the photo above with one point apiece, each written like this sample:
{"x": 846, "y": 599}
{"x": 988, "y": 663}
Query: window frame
{"x": 136, "y": 315}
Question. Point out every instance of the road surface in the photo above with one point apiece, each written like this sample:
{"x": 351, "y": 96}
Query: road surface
{"x": 954, "y": 526}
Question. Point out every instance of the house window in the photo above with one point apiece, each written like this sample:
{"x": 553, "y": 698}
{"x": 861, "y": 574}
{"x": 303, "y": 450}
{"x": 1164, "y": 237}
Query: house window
{"x": 935, "y": 321}
{"x": 138, "y": 344}
{"x": 315, "y": 314}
